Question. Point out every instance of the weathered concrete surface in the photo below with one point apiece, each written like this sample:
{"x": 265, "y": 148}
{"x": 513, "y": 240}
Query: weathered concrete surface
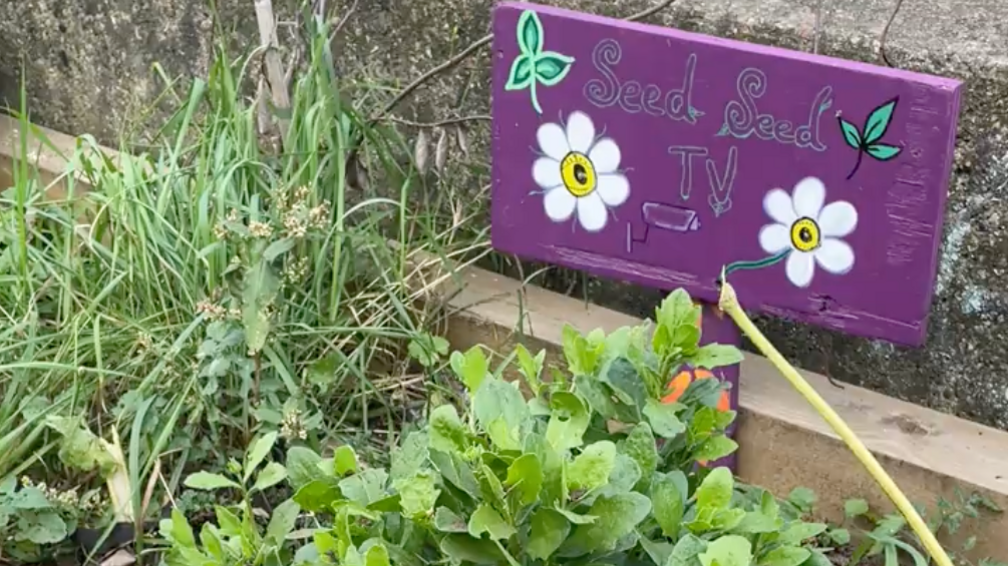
{"x": 89, "y": 65}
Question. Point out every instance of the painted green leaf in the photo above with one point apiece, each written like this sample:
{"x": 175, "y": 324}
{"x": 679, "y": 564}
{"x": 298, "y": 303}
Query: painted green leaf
{"x": 730, "y": 550}
{"x": 850, "y": 133}
{"x": 784, "y": 556}
{"x": 618, "y": 515}
{"x": 568, "y": 422}
{"x": 592, "y": 466}
{"x": 530, "y": 33}
{"x": 716, "y": 490}
{"x": 486, "y": 520}
{"x": 668, "y": 499}
{"x": 878, "y": 121}
{"x": 883, "y": 152}
{"x": 547, "y": 532}
{"x": 551, "y": 67}
{"x": 520, "y": 75}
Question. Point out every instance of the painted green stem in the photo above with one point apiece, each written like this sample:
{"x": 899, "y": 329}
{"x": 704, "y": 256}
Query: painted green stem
{"x": 758, "y": 264}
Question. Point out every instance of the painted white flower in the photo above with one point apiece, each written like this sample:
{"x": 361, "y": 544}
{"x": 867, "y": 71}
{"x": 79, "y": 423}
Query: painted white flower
{"x": 578, "y": 172}
{"x": 808, "y": 231}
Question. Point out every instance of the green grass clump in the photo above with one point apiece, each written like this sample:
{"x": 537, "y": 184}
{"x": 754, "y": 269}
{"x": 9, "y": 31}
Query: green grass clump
{"x": 221, "y": 283}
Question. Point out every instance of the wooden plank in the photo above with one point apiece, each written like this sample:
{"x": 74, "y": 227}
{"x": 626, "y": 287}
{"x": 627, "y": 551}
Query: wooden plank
{"x": 657, "y": 156}
{"x": 784, "y": 443}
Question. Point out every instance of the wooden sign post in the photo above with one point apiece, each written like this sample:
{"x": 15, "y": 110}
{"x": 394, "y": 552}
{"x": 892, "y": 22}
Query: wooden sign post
{"x": 658, "y": 157}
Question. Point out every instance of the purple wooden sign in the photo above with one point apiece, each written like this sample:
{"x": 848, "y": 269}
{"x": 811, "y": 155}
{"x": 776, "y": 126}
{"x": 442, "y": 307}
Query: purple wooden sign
{"x": 658, "y": 156}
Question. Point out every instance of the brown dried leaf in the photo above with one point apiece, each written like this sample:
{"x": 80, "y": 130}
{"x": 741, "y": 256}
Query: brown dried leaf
{"x": 462, "y": 141}
{"x": 421, "y": 152}
{"x": 441, "y": 152}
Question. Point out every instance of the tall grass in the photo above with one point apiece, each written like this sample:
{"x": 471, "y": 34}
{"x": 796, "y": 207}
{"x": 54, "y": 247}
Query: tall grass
{"x": 212, "y": 286}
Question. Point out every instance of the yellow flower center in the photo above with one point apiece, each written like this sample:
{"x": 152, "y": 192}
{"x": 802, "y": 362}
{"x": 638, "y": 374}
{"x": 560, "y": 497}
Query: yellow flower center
{"x": 805, "y": 235}
{"x": 578, "y": 174}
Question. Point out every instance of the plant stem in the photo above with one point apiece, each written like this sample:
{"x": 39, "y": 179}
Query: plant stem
{"x": 856, "y": 164}
{"x": 535, "y": 99}
{"x": 758, "y": 264}
{"x": 728, "y": 302}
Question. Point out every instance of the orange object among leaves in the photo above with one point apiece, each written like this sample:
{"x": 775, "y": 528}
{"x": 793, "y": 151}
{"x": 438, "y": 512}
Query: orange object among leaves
{"x": 683, "y": 379}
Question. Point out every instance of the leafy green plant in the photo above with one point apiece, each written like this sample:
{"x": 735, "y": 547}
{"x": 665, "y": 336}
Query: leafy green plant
{"x": 867, "y": 140}
{"x": 534, "y": 66}
{"x": 888, "y": 535}
{"x": 549, "y": 478}
{"x": 236, "y": 538}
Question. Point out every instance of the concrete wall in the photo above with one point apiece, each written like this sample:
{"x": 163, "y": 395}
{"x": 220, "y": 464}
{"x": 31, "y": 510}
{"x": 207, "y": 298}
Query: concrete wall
{"x": 89, "y": 65}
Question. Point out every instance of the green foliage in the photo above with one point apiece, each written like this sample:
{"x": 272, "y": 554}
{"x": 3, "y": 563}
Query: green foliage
{"x": 866, "y": 141}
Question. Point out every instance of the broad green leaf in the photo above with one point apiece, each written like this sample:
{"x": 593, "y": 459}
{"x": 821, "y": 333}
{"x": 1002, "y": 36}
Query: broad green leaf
{"x": 729, "y": 550}
{"x": 211, "y": 541}
{"x": 878, "y": 121}
{"x": 447, "y": 433}
{"x": 317, "y": 495}
{"x": 686, "y": 551}
{"x": 525, "y": 478}
{"x": 597, "y": 395}
{"x": 178, "y": 530}
{"x": 663, "y": 419}
{"x": 502, "y": 412}
{"x": 365, "y": 487}
{"x": 530, "y": 33}
{"x": 841, "y": 537}
{"x": 409, "y": 456}
{"x": 521, "y": 73}
{"x": 417, "y": 494}
{"x": 850, "y": 134}
{"x": 456, "y": 472}
{"x": 278, "y": 248}
{"x": 576, "y": 518}
{"x": 464, "y": 548}
{"x": 272, "y": 474}
{"x": 784, "y": 556}
{"x": 757, "y": 522}
{"x": 207, "y": 481}
{"x": 803, "y": 498}
{"x": 80, "y": 448}
{"x": 659, "y": 551}
{"x": 713, "y": 356}
{"x": 591, "y": 468}
{"x": 727, "y": 519}
{"x": 554, "y": 488}
{"x": 797, "y": 532}
{"x": 626, "y": 383}
{"x": 714, "y": 448}
{"x": 883, "y": 152}
{"x": 548, "y": 529}
{"x": 623, "y": 477}
{"x": 491, "y": 488}
{"x": 257, "y": 453}
{"x": 46, "y": 527}
{"x": 855, "y": 508}
{"x": 618, "y": 515}
{"x": 640, "y": 445}
{"x": 260, "y": 287}
{"x": 568, "y": 422}
{"x": 486, "y": 520}
{"x": 715, "y": 491}
{"x": 302, "y": 466}
{"x": 377, "y": 555}
{"x": 344, "y": 460}
{"x": 582, "y": 355}
{"x": 27, "y": 499}
{"x": 531, "y": 367}
{"x": 677, "y": 310}
{"x": 282, "y": 521}
{"x": 446, "y": 521}
{"x": 323, "y": 371}
{"x": 471, "y": 367}
{"x": 551, "y": 67}
{"x": 668, "y": 499}
{"x": 230, "y": 524}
